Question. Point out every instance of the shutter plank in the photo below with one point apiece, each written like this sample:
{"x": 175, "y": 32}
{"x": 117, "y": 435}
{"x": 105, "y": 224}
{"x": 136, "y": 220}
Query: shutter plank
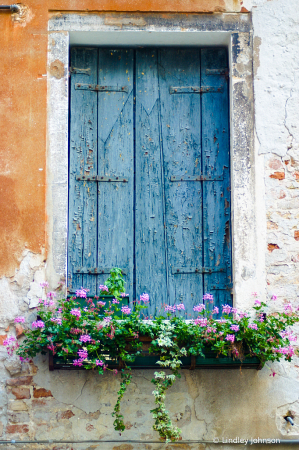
{"x": 216, "y": 194}
{"x": 115, "y": 159}
{"x": 181, "y": 134}
{"x": 150, "y": 256}
{"x": 83, "y": 161}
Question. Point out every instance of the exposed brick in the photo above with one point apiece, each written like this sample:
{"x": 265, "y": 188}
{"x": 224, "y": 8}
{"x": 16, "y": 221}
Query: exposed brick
{"x": 65, "y": 414}
{"x": 275, "y": 164}
{"x": 39, "y": 402}
{"x": 244, "y": 10}
{"x": 18, "y": 417}
{"x": 282, "y": 194}
{"x": 272, "y": 247}
{"x": 272, "y": 225}
{"x": 20, "y": 393}
{"x": 19, "y": 330}
{"x": 2, "y": 338}
{"x": 296, "y": 175}
{"x": 19, "y": 381}
{"x": 33, "y": 368}
{"x": 37, "y": 393}
{"x": 296, "y": 235}
{"x": 89, "y": 427}
{"x": 17, "y": 405}
{"x": 12, "y": 429}
{"x": 278, "y": 175}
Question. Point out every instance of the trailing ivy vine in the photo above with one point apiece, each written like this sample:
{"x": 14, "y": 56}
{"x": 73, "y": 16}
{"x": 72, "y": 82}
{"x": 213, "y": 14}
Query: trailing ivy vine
{"x": 125, "y": 381}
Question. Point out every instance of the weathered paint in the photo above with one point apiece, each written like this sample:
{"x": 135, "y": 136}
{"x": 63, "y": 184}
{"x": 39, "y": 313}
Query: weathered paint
{"x": 171, "y": 218}
{"x": 206, "y": 6}
{"x": 222, "y": 404}
{"x": 23, "y": 112}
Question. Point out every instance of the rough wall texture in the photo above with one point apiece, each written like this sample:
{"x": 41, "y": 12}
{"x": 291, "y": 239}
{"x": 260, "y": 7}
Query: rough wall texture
{"x": 23, "y": 43}
{"x": 35, "y": 403}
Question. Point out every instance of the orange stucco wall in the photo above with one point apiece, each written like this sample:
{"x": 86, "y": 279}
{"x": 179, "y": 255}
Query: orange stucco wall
{"x": 23, "y": 111}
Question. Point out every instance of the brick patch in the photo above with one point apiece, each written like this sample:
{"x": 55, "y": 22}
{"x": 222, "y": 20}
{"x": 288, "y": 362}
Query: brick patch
{"x": 296, "y": 235}
{"x": 2, "y": 338}
{"x": 275, "y": 164}
{"x": 37, "y": 393}
{"x": 17, "y": 405}
{"x": 272, "y": 247}
{"x": 65, "y": 414}
{"x": 19, "y": 330}
{"x": 20, "y": 393}
{"x": 19, "y": 381}
{"x": 278, "y": 175}
{"x": 11, "y": 429}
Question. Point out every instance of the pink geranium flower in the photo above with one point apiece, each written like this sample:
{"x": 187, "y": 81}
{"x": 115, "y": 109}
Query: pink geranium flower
{"x": 82, "y": 293}
{"x": 76, "y": 312}
{"x": 199, "y": 308}
{"x": 20, "y": 319}
{"x": 125, "y": 310}
{"x": 144, "y": 298}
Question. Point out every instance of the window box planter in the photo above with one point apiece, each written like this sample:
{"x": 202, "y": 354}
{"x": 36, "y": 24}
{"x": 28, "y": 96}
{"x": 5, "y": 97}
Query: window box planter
{"x": 149, "y": 361}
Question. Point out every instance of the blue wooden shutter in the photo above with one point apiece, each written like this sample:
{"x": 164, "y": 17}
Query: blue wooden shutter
{"x": 159, "y": 121}
{"x": 101, "y": 167}
{"x": 216, "y": 163}
{"x": 82, "y": 162}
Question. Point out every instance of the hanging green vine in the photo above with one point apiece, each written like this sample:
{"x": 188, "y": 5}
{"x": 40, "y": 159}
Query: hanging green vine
{"x": 125, "y": 381}
{"x": 170, "y": 354}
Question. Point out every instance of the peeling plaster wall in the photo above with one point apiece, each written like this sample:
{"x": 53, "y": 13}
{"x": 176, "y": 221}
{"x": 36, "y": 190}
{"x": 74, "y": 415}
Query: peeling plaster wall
{"x": 38, "y": 404}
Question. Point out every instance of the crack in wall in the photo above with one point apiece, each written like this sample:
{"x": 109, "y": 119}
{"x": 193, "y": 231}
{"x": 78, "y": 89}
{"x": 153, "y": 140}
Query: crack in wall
{"x": 290, "y": 145}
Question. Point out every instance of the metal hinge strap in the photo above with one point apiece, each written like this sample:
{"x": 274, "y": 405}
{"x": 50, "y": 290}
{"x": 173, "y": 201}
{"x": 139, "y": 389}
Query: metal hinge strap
{"x": 221, "y": 287}
{"x": 197, "y": 178}
{"x": 94, "y": 270}
{"x": 194, "y": 89}
{"x": 183, "y": 270}
{"x": 98, "y": 88}
{"x": 102, "y": 179}
{"x": 80, "y": 71}
{"x": 217, "y": 71}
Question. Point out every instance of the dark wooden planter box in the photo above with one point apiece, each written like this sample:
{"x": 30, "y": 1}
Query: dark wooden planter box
{"x": 149, "y": 361}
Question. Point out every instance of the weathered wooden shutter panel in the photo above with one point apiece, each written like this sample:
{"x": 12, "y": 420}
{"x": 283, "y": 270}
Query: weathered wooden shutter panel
{"x": 181, "y": 140}
{"x": 150, "y": 245}
{"x": 115, "y": 159}
{"x": 83, "y": 161}
{"x": 156, "y": 199}
{"x": 215, "y": 161}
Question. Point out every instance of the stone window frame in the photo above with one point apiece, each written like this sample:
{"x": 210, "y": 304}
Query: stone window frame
{"x": 131, "y": 29}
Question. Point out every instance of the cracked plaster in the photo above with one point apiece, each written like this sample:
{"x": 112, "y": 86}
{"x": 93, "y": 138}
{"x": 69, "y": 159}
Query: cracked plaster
{"x": 210, "y": 402}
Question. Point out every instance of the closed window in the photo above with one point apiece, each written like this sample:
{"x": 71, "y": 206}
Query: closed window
{"x": 149, "y": 172}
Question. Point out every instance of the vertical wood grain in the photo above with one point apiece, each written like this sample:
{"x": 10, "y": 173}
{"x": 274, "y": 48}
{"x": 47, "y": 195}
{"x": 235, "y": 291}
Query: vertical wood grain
{"x": 115, "y": 158}
{"x": 150, "y": 256}
{"x": 181, "y": 137}
{"x": 83, "y": 161}
{"x": 215, "y": 160}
